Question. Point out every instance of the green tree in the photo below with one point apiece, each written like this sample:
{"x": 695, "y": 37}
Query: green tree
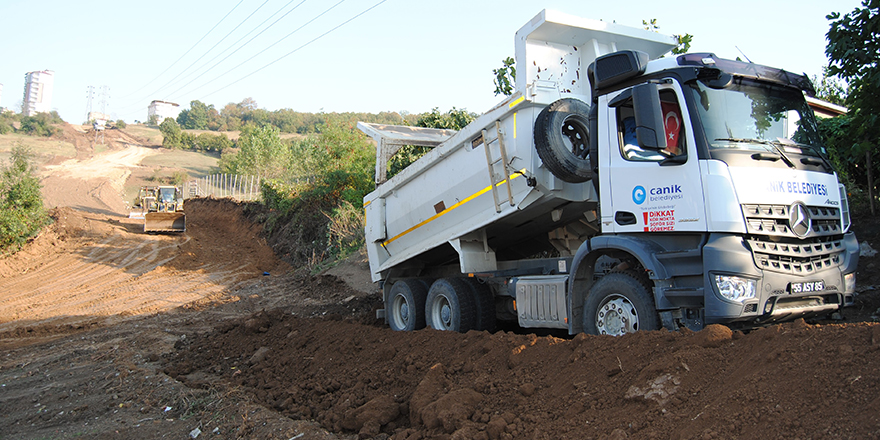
{"x": 853, "y": 52}
{"x": 261, "y": 152}
{"x": 505, "y": 77}
{"x": 120, "y": 123}
{"x": 6, "y": 120}
{"x": 40, "y": 124}
{"x": 172, "y": 135}
{"x": 199, "y": 117}
{"x": 210, "y": 142}
{"x": 829, "y": 88}
{"x": 454, "y": 119}
{"x": 21, "y": 205}
{"x": 683, "y": 42}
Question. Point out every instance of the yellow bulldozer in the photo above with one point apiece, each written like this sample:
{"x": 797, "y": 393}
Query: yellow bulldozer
{"x": 161, "y": 207}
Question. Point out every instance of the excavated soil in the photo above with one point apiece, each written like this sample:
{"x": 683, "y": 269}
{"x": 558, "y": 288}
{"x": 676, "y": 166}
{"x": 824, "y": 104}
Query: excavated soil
{"x": 107, "y": 332}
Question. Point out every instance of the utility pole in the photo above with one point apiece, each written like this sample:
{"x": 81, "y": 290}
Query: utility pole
{"x": 90, "y": 94}
{"x": 105, "y": 96}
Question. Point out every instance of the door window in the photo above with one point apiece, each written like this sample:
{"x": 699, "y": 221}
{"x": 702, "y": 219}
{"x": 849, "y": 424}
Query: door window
{"x": 626, "y": 131}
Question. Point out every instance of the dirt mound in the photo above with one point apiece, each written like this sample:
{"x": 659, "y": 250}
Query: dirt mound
{"x": 89, "y": 269}
{"x": 786, "y": 381}
{"x": 85, "y": 138}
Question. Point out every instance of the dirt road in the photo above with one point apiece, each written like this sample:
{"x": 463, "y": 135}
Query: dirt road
{"x": 106, "y": 332}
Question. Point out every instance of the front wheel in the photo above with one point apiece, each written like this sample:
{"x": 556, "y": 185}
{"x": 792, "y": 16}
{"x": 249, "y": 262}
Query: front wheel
{"x": 620, "y": 303}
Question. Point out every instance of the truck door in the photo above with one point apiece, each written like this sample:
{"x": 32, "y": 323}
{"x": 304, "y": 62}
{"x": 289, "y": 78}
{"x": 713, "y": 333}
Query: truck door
{"x": 649, "y": 190}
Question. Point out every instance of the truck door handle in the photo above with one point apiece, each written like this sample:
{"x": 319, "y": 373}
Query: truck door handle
{"x": 624, "y": 218}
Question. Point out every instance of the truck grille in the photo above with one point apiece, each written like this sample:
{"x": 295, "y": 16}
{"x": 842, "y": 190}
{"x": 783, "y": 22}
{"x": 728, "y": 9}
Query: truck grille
{"x": 773, "y": 220}
{"x": 776, "y": 247}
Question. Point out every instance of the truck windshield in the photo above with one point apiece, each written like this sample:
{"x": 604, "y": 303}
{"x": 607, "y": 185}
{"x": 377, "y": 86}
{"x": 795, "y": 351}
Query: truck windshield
{"x": 757, "y": 116}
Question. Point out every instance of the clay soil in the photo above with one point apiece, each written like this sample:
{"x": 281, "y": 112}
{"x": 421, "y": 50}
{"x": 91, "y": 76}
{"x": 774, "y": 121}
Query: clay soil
{"x": 107, "y": 332}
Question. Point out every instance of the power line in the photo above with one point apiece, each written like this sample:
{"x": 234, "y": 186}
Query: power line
{"x": 178, "y": 78}
{"x": 247, "y": 42}
{"x": 298, "y": 48}
{"x": 188, "y": 51}
{"x": 258, "y": 53}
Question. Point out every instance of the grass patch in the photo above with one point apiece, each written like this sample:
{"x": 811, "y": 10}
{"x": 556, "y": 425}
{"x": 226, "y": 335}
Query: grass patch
{"x": 196, "y": 164}
{"x": 100, "y": 148}
{"x": 156, "y": 168}
{"x": 151, "y": 135}
{"x": 43, "y": 149}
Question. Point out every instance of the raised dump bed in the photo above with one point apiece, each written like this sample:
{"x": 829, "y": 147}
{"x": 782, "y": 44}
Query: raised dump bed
{"x": 483, "y": 194}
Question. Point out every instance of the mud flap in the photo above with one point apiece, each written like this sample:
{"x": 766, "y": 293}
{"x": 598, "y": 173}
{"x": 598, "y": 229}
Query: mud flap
{"x": 164, "y": 222}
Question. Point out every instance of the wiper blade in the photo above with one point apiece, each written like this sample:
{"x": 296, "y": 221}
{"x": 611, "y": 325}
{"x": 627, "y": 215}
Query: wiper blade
{"x": 773, "y": 145}
{"x": 781, "y": 152}
{"x": 744, "y": 140}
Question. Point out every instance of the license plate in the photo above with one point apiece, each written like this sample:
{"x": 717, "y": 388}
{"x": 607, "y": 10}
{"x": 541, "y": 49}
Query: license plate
{"x": 807, "y": 287}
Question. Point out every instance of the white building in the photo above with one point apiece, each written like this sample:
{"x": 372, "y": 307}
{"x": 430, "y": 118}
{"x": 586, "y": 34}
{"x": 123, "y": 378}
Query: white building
{"x": 38, "y": 92}
{"x": 1, "y": 96}
{"x": 162, "y": 110}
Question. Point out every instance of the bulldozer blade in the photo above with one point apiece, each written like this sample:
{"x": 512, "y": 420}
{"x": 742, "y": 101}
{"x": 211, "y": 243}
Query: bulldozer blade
{"x": 164, "y": 222}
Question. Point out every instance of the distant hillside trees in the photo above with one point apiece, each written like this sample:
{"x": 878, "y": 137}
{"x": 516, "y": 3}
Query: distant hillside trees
{"x": 40, "y": 124}
{"x": 174, "y": 137}
{"x": 454, "y": 119}
{"x": 237, "y": 116}
{"x": 21, "y": 205}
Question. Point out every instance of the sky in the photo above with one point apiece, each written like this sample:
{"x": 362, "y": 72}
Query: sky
{"x": 344, "y": 55}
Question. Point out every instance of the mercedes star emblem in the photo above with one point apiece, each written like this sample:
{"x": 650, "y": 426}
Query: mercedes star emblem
{"x": 799, "y": 220}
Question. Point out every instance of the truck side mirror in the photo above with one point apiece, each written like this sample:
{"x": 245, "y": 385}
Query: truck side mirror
{"x": 650, "y": 131}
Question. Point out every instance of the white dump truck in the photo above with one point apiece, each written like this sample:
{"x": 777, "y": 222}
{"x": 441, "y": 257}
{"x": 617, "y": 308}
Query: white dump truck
{"x": 616, "y": 190}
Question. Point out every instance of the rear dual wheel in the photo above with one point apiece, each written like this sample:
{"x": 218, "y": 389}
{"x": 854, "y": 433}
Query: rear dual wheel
{"x": 456, "y": 304}
{"x": 450, "y": 306}
{"x": 406, "y": 305}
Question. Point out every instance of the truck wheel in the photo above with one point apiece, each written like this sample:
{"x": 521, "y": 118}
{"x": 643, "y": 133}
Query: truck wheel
{"x": 406, "y": 305}
{"x": 619, "y": 303}
{"x": 450, "y": 306}
{"x": 485, "y": 305}
{"x": 562, "y": 139}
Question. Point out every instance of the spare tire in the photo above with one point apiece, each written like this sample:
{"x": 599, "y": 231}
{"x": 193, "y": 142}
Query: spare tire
{"x": 562, "y": 139}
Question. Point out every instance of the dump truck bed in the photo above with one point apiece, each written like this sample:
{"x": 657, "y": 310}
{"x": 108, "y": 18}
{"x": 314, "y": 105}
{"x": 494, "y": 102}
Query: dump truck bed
{"x": 484, "y": 189}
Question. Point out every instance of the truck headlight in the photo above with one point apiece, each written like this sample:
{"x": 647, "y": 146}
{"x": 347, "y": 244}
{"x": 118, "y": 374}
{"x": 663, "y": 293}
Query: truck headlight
{"x": 849, "y": 282}
{"x": 735, "y": 288}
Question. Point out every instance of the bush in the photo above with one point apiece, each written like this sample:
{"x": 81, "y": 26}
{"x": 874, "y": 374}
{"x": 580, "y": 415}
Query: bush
{"x": 210, "y": 142}
{"x": 345, "y": 232}
{"x": 40, "y": 124}
{"x": 21, "y": 204}
{"x": 120, "y": 124}
{"x": 179, "y": 178}
{"x": 314, "y": 206}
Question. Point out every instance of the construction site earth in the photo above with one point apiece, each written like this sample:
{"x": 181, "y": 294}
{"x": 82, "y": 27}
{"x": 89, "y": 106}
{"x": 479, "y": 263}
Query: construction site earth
{"x": 107, "y": 332}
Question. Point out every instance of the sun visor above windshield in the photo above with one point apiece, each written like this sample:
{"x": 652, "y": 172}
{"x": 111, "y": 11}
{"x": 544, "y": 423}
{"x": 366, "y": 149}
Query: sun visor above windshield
{"x": 749, "y": 70}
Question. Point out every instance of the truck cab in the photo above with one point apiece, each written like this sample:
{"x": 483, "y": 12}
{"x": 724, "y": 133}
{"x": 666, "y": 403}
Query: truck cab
{"x": 617, "y": 190}
{"x": 735, "y": 201}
